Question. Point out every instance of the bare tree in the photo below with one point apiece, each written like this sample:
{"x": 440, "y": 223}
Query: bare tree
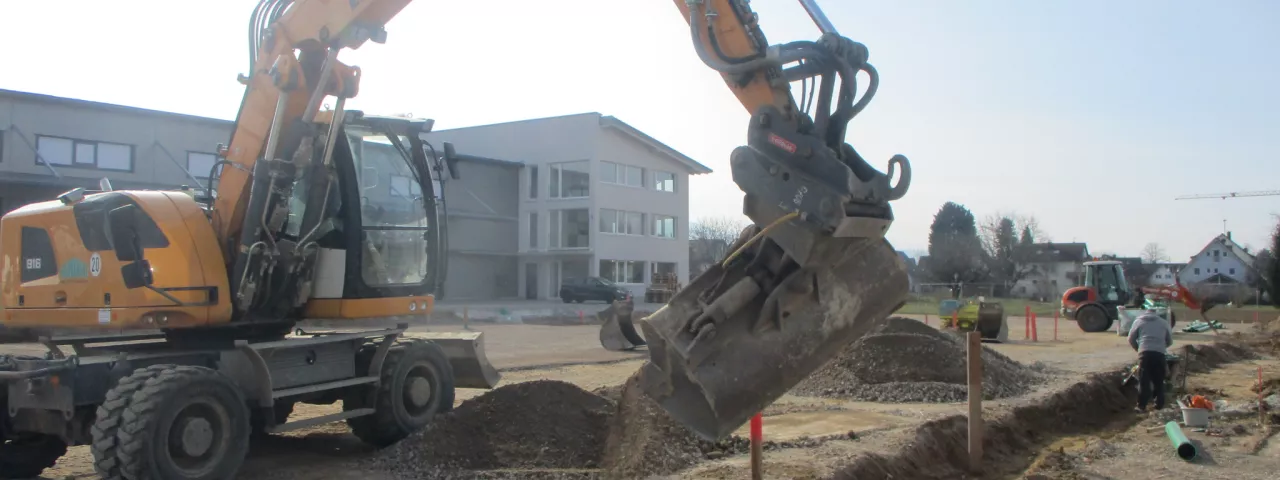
{"x": 710, "y": 237}
{"x": 989, "y": 228}
{"x": 1154, "y": 253}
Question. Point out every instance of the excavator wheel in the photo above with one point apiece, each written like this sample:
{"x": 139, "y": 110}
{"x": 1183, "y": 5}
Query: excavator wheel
{"x": 416, "y": 383}
{"x": 109, "y": 417}
{"x": 186, "y": 422}
{"x": 1092, "y": 319}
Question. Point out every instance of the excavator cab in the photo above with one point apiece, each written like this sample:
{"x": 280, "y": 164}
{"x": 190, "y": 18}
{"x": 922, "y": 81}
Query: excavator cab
{"x": 381, "y": 235}
{"x": 1093, "y": 304}
{"x": 1107, "y": 277}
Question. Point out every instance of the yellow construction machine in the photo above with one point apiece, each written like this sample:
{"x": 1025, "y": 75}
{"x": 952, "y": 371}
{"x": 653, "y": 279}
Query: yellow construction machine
{"x": 199, "y": 296}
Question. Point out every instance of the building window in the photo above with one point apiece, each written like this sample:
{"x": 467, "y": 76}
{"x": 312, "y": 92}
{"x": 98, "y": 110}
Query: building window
{"x": 622, "y": 271}
{"x": 1232, "y": 271}
{"x": 533, "y": 182}
{"x": 84, "y": 154}
{"x": 621, "y": 174}
{"x": 533, "y": 229}
{"x": 1197, "y": 271}
{"x": 664, "y": 181}
{"x": 200, "y": 165}
{"x": 405, "y": 187}
{"x": 621, "y": 222}
{"x": 571, "y": 179}
{"x": 571, "y": 228}
{"x": 664, "y": 226}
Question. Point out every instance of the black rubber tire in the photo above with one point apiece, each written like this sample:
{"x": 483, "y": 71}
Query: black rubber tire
{"x": 566, "y": 299}
{"x": 107, "y": 420}
{"x": 1093, "y": 319}
{"x": 30, "y": 455}
{"x": 144, "y": 450}
{"x": 392, "y": 421}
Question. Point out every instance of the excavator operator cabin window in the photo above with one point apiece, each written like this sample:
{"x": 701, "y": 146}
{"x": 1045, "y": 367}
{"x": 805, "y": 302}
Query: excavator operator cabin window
{"x": 392, "y": 210}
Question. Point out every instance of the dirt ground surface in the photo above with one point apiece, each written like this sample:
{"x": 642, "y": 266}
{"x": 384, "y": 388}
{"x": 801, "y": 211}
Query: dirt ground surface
{"x": 808, "y": 437}
{"x": 1236, "y": 445}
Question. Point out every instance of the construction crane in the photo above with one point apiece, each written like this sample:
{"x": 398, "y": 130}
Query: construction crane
{"x": 1224, "y": 196}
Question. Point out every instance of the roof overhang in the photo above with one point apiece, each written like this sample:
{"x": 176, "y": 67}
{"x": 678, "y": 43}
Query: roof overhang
{"x": 622, "y": 127}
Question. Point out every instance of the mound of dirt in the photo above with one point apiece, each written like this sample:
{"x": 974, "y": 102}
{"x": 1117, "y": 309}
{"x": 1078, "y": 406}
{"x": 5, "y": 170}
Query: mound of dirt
{"x": 644, "y": 440}
{"x": 904, "y": 360}
{"x": 538, "y": 424}
{"x": 1202, "y": 358}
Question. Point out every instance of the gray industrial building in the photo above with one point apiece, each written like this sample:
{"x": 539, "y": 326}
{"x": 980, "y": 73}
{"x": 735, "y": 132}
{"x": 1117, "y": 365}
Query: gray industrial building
{"x": 512, "y": 232}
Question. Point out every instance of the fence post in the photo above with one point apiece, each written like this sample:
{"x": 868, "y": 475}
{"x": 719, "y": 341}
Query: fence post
{"x": 975, "y": 401}
{"x": 1035, "y": 328}
{"x": 1026, "y": 322}
{"x": 1055, "y": 325}
{"x": 757, "y": 447}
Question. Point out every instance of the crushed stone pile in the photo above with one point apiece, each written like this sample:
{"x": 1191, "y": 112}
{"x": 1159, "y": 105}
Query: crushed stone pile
{"x": 904, "y": 360}
{"x": 537, "y": 424}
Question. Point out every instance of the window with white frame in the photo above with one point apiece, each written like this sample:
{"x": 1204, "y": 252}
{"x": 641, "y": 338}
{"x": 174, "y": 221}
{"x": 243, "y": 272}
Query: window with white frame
{"x": 533, "y": 182}
{"x": 405, "y": 186}
{"x": 533, "y": 230}
{"x": 201, "y": 164}
{"x": 664, "y": 226}
{"x": 570, "y": 179}
{"x": 622, "y": 271}
{"x": 664, "y": 181}
{"x": 620, "y": 174}
{"x": 621, "y": 222}
{"x": 570, "y": 228}
{"x": 84, "y": 153}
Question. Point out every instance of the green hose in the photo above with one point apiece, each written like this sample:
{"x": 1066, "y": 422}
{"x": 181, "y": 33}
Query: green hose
{"x": 1186, "y": 450}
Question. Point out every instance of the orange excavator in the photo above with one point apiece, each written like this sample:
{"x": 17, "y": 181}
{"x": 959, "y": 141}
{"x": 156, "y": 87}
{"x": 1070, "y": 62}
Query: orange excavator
{"x": 190, "y": 303}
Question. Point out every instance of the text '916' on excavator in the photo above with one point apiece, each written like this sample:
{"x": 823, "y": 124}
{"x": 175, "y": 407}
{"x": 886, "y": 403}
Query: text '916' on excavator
{"x": 207, "y": 290}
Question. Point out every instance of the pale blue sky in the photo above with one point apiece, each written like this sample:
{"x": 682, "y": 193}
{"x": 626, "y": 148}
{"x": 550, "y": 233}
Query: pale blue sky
{"x": 1092, "y": 115}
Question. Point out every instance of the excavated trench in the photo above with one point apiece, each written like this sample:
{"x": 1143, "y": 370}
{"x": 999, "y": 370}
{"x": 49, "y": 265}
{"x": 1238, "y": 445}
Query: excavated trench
{"x": 553, "y": 429}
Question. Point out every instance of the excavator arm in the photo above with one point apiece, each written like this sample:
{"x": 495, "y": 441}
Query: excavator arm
{"x": 811, "y": 275}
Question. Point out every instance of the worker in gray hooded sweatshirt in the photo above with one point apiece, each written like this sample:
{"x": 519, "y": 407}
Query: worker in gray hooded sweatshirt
{"x": 1151, "y": 337}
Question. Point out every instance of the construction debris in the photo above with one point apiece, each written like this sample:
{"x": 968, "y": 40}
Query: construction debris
{"x": 905, "y": 360}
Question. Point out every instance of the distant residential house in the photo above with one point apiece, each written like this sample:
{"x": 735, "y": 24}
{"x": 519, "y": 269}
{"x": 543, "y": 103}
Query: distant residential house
{"x": 1221, "y": 265}
{"x": 1052, "y": 267}
{"x": 1163, "y": 273}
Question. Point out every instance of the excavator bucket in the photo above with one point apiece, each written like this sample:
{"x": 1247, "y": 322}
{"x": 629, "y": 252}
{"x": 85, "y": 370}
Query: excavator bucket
{"x": 471, "y": 368}
{"x": 770, "y": 331}
{"x": 617, "y": 331}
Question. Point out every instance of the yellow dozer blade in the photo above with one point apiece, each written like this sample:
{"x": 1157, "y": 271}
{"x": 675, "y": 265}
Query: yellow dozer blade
{"x": 471, "y": 368}
{"x": 617, "y": 330}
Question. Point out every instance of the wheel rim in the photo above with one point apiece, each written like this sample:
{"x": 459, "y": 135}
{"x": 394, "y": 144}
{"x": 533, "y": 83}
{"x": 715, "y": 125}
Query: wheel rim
{"x": 198, "y": 437}
{"x": 418, "y": 394}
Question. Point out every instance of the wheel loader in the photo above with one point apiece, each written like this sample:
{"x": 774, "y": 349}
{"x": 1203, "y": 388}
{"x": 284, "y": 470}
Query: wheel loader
{"x": 194, "y": 312}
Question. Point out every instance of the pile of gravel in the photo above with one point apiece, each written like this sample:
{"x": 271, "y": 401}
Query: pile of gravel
{"x": 905, "y": 360}
{"x": 538, "y": 424}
